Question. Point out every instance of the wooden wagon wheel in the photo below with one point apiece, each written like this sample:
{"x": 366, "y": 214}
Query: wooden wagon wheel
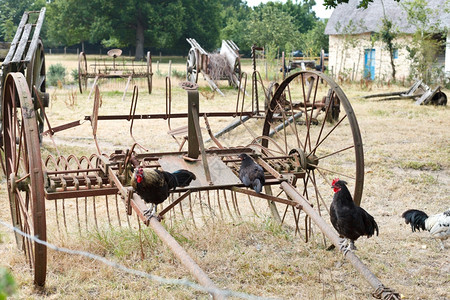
{"x": 149, "y": 72}
{"x": 82, "y": 72}
{"x": 323, "y": 150}
{"x": 237, "y": 70}
{"x": 24, "y": 171}
{"x": 192, "y": 66}
{"x": 36, "y": 78}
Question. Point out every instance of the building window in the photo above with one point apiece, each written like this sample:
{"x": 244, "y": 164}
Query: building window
{"x": 395, "y": 52}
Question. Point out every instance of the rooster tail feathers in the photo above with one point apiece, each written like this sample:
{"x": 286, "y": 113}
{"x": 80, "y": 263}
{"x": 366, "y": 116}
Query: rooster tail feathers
{"x": 183, "y": 177}
{"x": 257, "y": 185}
{"x": 416, "y": 218}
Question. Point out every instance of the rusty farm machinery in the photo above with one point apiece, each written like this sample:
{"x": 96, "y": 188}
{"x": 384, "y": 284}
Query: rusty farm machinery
{"x": 299, "y": 150}
{"x": 107, "y": 69}
{"x": 225, "y": 65}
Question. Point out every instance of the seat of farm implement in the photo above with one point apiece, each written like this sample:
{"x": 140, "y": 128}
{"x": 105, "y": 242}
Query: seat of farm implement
{"x": 221, "y": 174}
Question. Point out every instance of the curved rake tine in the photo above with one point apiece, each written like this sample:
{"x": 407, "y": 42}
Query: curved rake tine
{"x": 218, "y": 203}
{"x": 78, "y": 216}
{"x": 95, "y": 212}
{"x": 192, "y": 211}
{"x": 141, "y": 244}
{"x": 201, "y": 207}
{"x": 117, "y": 210}
{"x": 251, "y": 204}
{"x": 133, "y": 106}
{"x": 210, "y": 209}
{"x": 64, "y": 214}
{"x": 107, "y": 210}
{"x": 228, "y": 207}
{"x": 128, "y": 220}
{"x": 86, "y": 213}
{"x": 234, "y": 201}
{"x": 57, "y": 217}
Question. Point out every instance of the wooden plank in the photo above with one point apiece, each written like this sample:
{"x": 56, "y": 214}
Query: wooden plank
{"x": 427, "y": 96}
{"x": 37, "y": 31}
{"x": 16, "y": 39}
{"x": 221, "y": 174}
{"x": 22, "y": 44}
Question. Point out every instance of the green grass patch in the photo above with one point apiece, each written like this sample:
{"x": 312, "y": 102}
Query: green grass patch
{"x": 379, "y": 112}
{"x": 423, "y": 179}
{"x": 416, "y": 165}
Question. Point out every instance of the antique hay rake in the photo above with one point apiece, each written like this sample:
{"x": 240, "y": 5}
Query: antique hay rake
{"x": 107, "y": 69}
{"x": 299, "y": 151}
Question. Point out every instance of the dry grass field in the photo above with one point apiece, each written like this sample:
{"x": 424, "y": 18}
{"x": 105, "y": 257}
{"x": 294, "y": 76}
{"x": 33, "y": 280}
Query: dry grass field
{"x": 407, "y": 165}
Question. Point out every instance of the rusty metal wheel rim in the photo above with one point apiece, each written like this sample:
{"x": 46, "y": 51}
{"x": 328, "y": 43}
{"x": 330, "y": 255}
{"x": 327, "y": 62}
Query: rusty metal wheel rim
{"x": 24, "y": 171}
{"x": 36, "y": 77}
{"x": 149, "y": 72}
{"x": 312, "y": 139}
{"x": 82, "y": 72}
{"x": 192, "y": 66}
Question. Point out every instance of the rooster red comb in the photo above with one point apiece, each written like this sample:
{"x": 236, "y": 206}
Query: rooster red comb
{"x": 334, "y": 181}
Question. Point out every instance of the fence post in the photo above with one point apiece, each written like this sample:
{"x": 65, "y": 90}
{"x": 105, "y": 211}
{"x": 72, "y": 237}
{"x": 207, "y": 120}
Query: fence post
{"x": 170, "y": 69}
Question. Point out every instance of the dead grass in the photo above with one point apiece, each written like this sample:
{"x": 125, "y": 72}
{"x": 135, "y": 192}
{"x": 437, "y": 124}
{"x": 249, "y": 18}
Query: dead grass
{"x": 407, "y": 163}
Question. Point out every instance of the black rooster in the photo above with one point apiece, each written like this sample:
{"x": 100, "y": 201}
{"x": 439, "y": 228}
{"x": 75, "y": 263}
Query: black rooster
{"x": 251, "y": 174}
{"x": 438, "y": 225}
{"x": 153, "y": 185}
{"x": 349, "y": 220}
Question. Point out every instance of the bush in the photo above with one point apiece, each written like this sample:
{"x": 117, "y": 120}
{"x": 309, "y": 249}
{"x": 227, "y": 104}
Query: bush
{"x": 74, "y": 74}
{"x": 7, "y": 284}
{"x": 56, "y": 73}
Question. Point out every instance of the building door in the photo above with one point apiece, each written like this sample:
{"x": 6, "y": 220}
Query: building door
{"x": 369, "y": 64}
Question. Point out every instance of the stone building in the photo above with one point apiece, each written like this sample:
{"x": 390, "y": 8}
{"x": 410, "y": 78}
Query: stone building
{"x": 355, "y": 53}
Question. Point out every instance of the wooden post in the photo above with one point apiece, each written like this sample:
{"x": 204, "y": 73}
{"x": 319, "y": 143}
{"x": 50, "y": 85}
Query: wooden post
{"x": 170, "y": 69}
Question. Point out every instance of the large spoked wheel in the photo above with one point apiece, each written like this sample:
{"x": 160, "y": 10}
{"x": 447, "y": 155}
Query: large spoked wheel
{"x": 24, "y": 171}
{"x": 237, "y": 71}
{"x": 192, "y": 66}
{"x": 36, "y": 79}
{"x": 149, "y": 72}
{"x": 82, "y": 72}
{"x": 322, "y": 142}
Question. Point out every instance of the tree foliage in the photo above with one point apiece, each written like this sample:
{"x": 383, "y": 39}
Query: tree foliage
{"x": 165, "y": 25}
{"x": 11, "y": 12}
{"x": 334, "y": 3}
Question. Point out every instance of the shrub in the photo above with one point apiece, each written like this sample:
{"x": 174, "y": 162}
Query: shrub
{"x": 56, "y": 73}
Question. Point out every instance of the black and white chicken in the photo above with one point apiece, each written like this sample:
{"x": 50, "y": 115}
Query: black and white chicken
{"x": 438, "y": 225}
{"x": 153, "y": 185}
{"x": 251, "y": 174}
{"x": 349, "y": 220}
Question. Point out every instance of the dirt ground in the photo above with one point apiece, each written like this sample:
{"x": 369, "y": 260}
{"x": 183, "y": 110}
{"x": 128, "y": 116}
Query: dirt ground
{"x": 407, "y": 165}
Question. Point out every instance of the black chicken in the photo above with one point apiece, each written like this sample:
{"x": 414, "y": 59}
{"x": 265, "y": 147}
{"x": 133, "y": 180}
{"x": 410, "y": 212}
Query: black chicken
{"x": 153, "y": 185}
{"x": 251, "y": 174}
{"x": 438, "y": 225}
{"x": 349, "y": 220}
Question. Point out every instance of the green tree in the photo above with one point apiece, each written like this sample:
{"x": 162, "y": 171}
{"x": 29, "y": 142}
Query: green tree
{"x": 235, "y": 23}
{"x": 313, "y": 41}
{"x": 270, "y": 25}
{"x": 202, "y": 20}
{"x": 427, "y": 39}
{"x": 70, "y": 22}
{"x": 11, "y": 14}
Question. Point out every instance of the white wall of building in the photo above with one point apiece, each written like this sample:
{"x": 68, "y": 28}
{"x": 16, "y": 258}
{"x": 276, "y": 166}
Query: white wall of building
{"x": 346, "y": 58}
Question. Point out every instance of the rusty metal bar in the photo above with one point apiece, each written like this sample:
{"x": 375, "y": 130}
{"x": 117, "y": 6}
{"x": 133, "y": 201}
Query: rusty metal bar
{"x": 380, "y": 289}
{"x": 193, "y": 141}
{"x": 139, "y": 206}
{"x": 264, "y": 196}
{"x": 173, "y": 116}
{"x": 184, "y": 257}
{"x": 171, "y": 205}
